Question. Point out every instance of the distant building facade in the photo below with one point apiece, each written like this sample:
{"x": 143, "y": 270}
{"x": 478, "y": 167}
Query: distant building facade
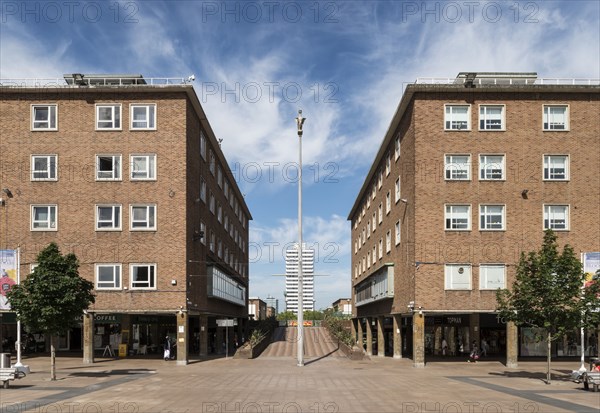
{"x": 257, "y": 309}
{"x": 272, "y": 302}
{"x": 342, "y": 306}
{"x": 291, "y": 278}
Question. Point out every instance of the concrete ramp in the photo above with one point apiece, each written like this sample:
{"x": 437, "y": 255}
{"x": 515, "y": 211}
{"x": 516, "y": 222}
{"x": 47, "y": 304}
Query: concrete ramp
{"x": 317, "y": 343}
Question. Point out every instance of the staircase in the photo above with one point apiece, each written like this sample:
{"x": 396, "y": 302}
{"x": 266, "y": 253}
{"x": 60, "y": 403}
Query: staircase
{"x": 317, "y": 343}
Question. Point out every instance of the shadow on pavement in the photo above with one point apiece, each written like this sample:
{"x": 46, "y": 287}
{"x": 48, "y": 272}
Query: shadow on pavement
{"x": 109, "y": 373}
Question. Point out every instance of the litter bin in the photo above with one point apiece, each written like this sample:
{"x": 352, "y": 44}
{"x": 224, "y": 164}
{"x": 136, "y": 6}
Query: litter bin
{"x": 4, "y": 360}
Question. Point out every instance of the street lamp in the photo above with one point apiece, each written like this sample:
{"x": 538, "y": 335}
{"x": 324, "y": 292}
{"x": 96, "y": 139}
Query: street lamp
{"x": 299, "y": 122}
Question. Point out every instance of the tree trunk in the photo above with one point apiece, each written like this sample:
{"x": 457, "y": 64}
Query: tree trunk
{"x": 52, "y": 358}
{"x": 549, "y": 355}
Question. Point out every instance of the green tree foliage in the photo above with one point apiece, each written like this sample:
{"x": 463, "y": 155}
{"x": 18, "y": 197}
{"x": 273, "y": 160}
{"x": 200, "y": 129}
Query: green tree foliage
{"x": 313, "y": 315}
{"x": 548, "y": 293}
{"x": 286, "y": 316}
{"x": 52, "y": 298}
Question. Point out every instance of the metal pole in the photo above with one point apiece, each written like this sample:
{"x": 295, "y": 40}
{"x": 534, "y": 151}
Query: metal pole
{"x": 19, "y": 364}
{"x": 300, "y": 121}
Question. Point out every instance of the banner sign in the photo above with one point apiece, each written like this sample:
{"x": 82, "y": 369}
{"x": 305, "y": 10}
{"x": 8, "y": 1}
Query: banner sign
{"x": 591, "y": 264}
{"x": 8, "y": 275}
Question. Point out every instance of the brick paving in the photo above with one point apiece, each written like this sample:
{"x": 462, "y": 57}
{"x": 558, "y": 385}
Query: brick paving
{"x": 331, "y": 384}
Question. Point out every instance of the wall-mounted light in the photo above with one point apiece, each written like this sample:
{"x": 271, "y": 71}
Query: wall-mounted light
{"x": 173, "y": 282}
{"x": 404, "y": 200}
{"x": 420, "y": 310}
{"x": 7, "y": 192}
{"x": 524, "y": 193}
{"x": 198, "y": 235}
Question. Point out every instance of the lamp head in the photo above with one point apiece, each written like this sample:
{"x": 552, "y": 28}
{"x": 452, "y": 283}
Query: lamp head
{"x": 300, "y": 121}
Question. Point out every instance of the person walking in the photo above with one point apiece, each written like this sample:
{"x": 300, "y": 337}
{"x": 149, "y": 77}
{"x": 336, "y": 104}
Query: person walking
{"x": 474, "y": 356}
{"x": 444, "y": 347}
{"x": 484, "y": 347}
{"x": 167, "y": 347}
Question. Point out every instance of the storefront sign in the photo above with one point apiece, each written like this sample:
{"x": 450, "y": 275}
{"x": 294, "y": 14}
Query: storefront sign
{"x": 8, "y": 275}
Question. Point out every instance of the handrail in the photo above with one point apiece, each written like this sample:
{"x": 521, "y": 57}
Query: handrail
{"x": 508, "y": 81}
{"x": 94, "y": 82}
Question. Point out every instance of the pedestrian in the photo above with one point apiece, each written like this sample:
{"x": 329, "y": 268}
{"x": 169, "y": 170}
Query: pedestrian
{"x": 484, "y": 347}
{"x": 444, "y": 346}
{"x": 167, "y": 346}
{"x": 474, "y": 355}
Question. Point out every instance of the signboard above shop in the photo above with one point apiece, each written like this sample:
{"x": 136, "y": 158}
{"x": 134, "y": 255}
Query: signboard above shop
{"x": 224, "y": 322}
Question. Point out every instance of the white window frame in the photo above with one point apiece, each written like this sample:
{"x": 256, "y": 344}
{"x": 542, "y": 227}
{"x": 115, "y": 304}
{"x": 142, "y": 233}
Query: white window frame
{"x": 374, "y": 221}
{"x": 449, "y": 276}
{"x": 380, "y": 211}
{"x": 117, "y": 213}
{"x": 368, "y": 259}
{"x": 548, "y": 210}
{"x": 151, "y": 215}
{"x": 380, "y": 179}
{"x": 52, "y": 117}
{"x": 484, "y": 284}
{"x": 368, "y": 229}
{"x": 388, "y": 241}
{"x": 203, "y": 189}
{"x": 449, "y": 216}
{"x": 380, "y": 248}
{"x": 397, "y": 229}
{"x": 51, "y": 168}
{"x": 484, "y": 213}
{"x": 150, "y": 171}
{"x": 211, "y": 203}
{"x": 485, "y": 117}
{"x": 116, "y": 110}
{"x": 203, "y": 233}
{"x": 152, "y": 276}
{"x": 202, "y": 145}
{"x": 547, "y": 167}
{"x": 117, "y": 173}
{"x": 374, "y": 254}
{"x": 451, "y": 168}
{"x": 397, "y": 193}
{"x": 219, "y": 176}
{"x": 52, "y": 209}
{"x": 150, "y": 116}
{"x": 117, "y": 275}
{"x": 484, "y": 167}
{"x": 397, "y": 148}
{"x": 388, "y": 164}
{"x": 212, "y": 162}
{"x": 546, "y": 124}
{"x": 449, "y": 117}
{"x": 388, "y": 202}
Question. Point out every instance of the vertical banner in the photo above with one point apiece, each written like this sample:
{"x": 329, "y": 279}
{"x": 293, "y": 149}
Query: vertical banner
{"x": 591, "y": 264}
{"x": 8, "y": 275}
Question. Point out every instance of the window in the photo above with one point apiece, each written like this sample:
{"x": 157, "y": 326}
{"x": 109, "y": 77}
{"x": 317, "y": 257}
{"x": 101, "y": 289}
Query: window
{"x": 458, "y": 217}
{"x": 226, "y": 191}
{"x": 491, "y": 167}
{"x": 556, "y": 117}
{"x": 43, "y": 117}
{"x": 108, "y": 117}
{"x": 374, "y": 192}
{"x": 368, "y": 202}
{"x": 219, "y": 177}
{"x": 374, "y": 221}
{"x": 457, "y": 117}
{"x": 108, "y": 167}
{"x": 202, "y": 145}
{"x": 219, "y": 249}
{"x": 226, "y": 223}
{"x": 43, "y": 218}
{"x": 556, "y": 217}
{"x": 491, "y": 117}
{"x": 368, "y": 229}
{"x": 203, "y": 233}
{"x": 458, "y": 167}
{"x": 397, "y": 227}
{"x": 108, "y": 276}
{"x": 397, "y": 148}
{"x": 397, "y": 190}
{"x": 212, "y": 203}
{"x": 355, "y": 246}
{"x": 369, "y": 259}
{"x": 203, "y": 190}
{"x": 364, "y": 238}
{"x": 374, "y": 255}
{"x": 388, "y": 202}
{"x": 388, "y": 241}
{"x": 457, "y": 277}
{"x": 108, "y": 217}
{"x": 43, "y": 168}
{"x": 380, "y": 248}
{"x": 556, "y": 167}
{"x": 388, "y": 164}
{"x": 143, "y": 167}
{"x": 219, "y": 212}
{"x": 143, "y": 217}
{"x": 211, "y": 166}
{"x": 492, "y": 276}
{"x": 380, "y": 179}
{"x": 491, "y": 217}
{"x": 212, "y": 241}
{"x": 143, "y": 276}
{"x": 380, "y": 210}
{"x": 143, "y": 117}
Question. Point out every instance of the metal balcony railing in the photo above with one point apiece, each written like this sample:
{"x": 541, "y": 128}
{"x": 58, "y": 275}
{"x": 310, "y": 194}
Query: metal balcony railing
{"x": 95, "y": 82}
{"x": 507, "y": 81}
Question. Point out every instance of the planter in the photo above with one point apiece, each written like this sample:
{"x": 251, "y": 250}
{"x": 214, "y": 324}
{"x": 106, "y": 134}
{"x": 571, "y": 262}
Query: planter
{"x": 250, "y": 352}
{"x": 353, "y": 353}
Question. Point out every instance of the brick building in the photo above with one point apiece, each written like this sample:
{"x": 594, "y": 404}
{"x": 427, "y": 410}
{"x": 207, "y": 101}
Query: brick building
{"x": 257, "y": 309}
{"x": 469, "y": 174}
{"x": 127, "y": 173}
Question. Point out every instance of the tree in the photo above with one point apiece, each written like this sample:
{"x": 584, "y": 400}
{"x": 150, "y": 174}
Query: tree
{"x": 548, "y": 293}
{"x": 52, "y": 297}
{"x": 286, "y": 316}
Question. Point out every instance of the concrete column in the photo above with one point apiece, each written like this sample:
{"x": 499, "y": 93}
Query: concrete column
{"x": 380, "y": 337}
{"x": 353, "y": 329}
{"x": 203, "y": 336}
{"x": 418, "y": 339}
{"x": 183, "y": 334}
{"x": 369, "y": 337}
{"x": 397, "y": 334}
{"x": 88, "y": 338}
{"x": 512, "y": 345}
{"x": 359, "y": 339}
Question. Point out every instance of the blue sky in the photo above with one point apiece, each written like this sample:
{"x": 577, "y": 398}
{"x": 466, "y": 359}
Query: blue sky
{"x": 344, "y": 63}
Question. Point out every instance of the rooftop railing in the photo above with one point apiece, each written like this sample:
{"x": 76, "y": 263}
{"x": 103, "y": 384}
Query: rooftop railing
{"x": 504, "y": 81}
{"x": 94, "y": 82}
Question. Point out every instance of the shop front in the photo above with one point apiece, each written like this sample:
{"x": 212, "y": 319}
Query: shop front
{"x": 454, "y": 329}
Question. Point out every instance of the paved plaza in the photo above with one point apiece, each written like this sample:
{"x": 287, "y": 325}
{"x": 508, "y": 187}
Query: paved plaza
{"x": 330, "y": 384}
